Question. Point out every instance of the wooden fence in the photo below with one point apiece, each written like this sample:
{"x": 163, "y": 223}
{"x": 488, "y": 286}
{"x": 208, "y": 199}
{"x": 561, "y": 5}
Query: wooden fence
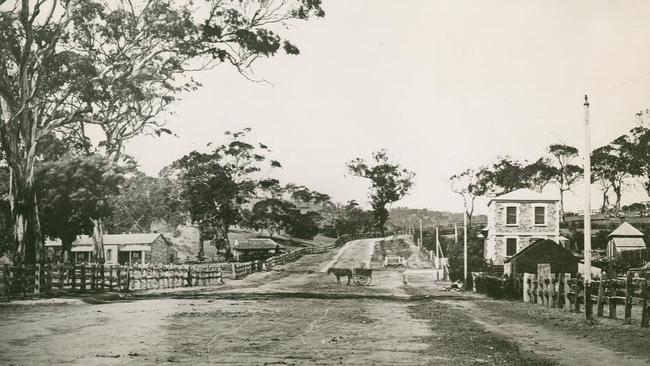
{"x": 21, "y": 281}
{"x": 564, "y": 292}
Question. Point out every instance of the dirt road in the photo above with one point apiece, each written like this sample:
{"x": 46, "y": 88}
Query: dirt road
{"x": 294, "y": 315}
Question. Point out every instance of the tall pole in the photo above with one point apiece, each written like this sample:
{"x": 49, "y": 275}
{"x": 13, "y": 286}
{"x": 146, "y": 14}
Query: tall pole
{"x": 587, "y": 215}
{"x": 465, "y": 248}
{"x": 420, "y": 232}
{"x": 438, "y": 251}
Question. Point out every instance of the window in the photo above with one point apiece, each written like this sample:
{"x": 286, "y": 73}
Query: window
{"x": 511, "y": 215}
{"x": 136, "y": 258}
{"x": 540, "y": 215}
{"x": 109, "y": 255}
{"x": 511, "y": 246}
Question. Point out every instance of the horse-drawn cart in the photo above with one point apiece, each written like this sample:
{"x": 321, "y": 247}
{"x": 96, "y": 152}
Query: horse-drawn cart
{"x": 362, "y": 276}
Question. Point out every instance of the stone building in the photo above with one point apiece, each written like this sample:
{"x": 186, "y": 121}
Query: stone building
{"x": 518, "y": 219}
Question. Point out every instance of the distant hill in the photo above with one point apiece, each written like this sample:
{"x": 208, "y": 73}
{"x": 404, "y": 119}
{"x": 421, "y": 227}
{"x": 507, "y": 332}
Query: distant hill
{"x": 402, "y": 216}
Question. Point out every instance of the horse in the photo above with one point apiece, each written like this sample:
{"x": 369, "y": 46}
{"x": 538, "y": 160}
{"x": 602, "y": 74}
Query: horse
{"x": 340, "y": 272}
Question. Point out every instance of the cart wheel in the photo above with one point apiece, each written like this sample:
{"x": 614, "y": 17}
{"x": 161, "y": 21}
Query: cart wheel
{"x": 362, "y": 280}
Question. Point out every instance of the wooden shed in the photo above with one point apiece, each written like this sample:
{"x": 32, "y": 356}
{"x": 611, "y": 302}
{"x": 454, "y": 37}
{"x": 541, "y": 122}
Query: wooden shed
{"x": 543, "y": 251}
{"x": 626, "y": 238}
{"x": 254, "y": 249}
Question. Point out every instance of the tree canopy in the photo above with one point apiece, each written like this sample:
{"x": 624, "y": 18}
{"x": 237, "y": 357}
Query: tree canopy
{"x": 66, "y": 66}
{"x": 389, "y": 183}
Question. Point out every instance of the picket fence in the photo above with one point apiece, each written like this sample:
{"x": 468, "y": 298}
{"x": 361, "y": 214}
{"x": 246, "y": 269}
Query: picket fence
{"x": 55, "y": 279}
{"x": 564, "y": 292}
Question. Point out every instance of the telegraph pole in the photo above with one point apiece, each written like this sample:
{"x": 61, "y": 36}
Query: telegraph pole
{"x": 587, "y": 215}
{"x": 465, "y": 248}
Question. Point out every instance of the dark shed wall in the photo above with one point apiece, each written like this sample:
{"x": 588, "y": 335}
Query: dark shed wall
{"x": 547, "y": 251}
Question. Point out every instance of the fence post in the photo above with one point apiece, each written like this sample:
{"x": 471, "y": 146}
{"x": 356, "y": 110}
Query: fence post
{"x": 189, "y": 276}
{"x": 22, "y": 278}
{"x": 645, "y": 310}
{"x": 560, "y": 291}
{"x": 234, "y": 272}
{"x": 576, "y": 295}
{"x": 612, "y": 298}
{"x": 83, "y": 277}
{"x": 600, "y": 303}
{"x": 629, "y": 289}
{"x": 552, "y": 294}
{"x": 74, "y": 277}
{"x": 62, "y": 268}
{"x": 7, "y": 281}
{"x": 119, "y": 278}
{"x": 103, "y": 284}
{"x": 110, "y": 278}
{"x": 93, "y": 271}
{"x": 37, "y": 278}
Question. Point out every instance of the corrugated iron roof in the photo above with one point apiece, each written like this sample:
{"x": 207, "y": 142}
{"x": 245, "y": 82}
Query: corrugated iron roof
{"x": 626, "y": 230}
{"x": 629, "y": 243}
{"x": 252, "y": 244}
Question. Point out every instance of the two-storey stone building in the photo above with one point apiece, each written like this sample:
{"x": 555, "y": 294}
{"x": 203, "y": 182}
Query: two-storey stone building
{"x": 518, "y": 219}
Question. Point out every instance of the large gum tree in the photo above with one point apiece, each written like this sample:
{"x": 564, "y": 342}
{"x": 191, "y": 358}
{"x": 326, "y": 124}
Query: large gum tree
{"x": 66, "y": 65}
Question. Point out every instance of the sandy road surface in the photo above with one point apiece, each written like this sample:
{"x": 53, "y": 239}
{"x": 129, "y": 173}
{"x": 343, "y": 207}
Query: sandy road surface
{"x": 294, "y": 315}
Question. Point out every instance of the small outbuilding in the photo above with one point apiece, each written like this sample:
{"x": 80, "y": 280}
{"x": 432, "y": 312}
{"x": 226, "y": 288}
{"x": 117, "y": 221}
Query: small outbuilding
{"x": 542, "y": 251}
{"x": 254, "y": 249}
{"x": 626, "y": 238}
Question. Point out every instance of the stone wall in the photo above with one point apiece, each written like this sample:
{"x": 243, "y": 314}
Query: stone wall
{"x": 526, "y": 217}
{"x": 525, "y": 230}
{"x": 161, "y": 252}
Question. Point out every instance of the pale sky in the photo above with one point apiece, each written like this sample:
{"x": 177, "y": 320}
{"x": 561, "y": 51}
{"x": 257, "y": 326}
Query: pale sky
{"x": 442, "y": 85}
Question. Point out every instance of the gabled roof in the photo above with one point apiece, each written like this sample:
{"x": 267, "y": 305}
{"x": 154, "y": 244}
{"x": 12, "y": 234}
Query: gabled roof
{"x": 626, "y": 230}
{"x": 525, "y": 194}
{"x": 253, "y": 244}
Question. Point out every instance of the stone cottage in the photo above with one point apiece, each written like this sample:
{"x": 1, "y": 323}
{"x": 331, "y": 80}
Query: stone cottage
{"x": 518, "y": 219}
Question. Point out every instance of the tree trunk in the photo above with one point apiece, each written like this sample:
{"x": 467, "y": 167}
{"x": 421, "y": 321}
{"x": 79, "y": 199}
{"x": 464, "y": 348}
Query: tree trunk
{"x": 201, "y": 255}
{"x": 66, "y": 248}
{"x": 603, "y": 208}
{"x": 24, "y": 211}
{"x": 98, "y": 240}
{"x": 561, "y": 205}
{"x": 617, "y": 191}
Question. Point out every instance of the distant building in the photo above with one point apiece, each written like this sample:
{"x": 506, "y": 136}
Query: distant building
{"x": 151, "y": 248}
{"x": 625, "y": 238}
{"x": 518, "y": 219}
{"x": 254, "y": 249}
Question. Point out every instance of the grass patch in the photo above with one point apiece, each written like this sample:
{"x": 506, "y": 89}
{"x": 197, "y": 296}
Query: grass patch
{"x": 629, "y": 339}
{"x": 457, "y": 338}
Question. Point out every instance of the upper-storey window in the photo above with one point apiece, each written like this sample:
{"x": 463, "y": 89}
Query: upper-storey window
{"x": 511, "y": 215}
{"x": 540, "y": 215}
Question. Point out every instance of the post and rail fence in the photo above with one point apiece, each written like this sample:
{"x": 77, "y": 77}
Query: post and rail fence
{"x": 562, "y": 291}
